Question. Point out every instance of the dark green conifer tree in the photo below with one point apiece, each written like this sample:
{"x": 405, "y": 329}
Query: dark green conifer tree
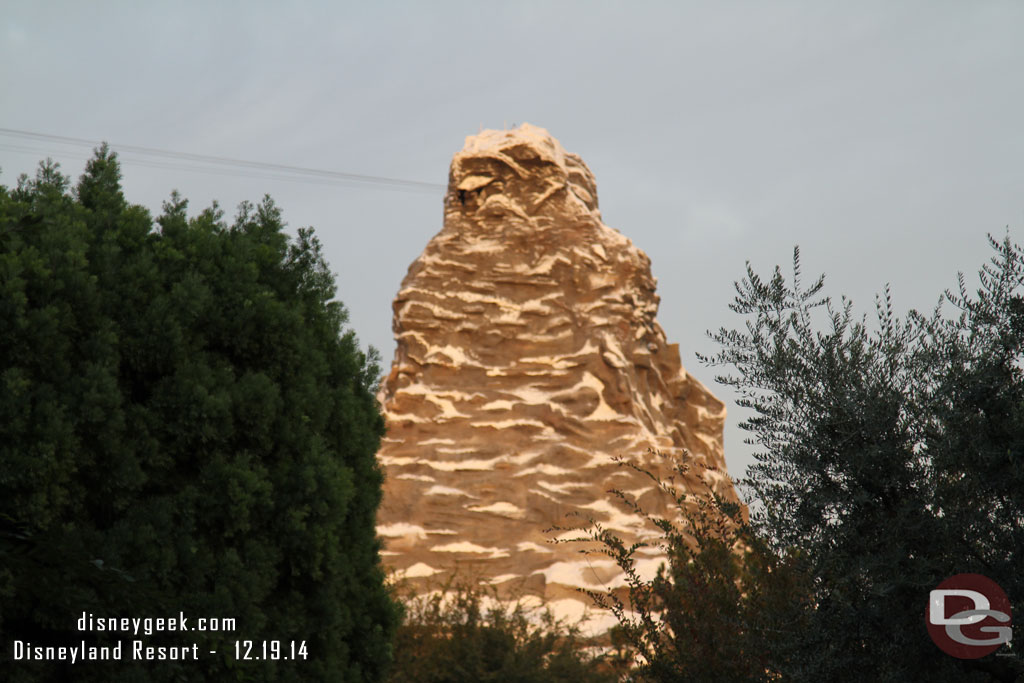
{"x": 185, "y": 426}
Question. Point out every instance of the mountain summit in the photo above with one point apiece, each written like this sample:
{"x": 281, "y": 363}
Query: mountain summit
{"x": 528, "y": 357}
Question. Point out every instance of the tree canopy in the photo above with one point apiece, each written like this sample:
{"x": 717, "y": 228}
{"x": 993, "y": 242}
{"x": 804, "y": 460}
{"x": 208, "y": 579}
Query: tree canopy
{"x": 891, "y": 458}
{"x": 185, "y": 426}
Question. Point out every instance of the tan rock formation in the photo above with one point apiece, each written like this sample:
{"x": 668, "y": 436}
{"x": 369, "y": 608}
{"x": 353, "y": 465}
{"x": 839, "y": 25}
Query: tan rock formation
{"x": 528, "y": 356}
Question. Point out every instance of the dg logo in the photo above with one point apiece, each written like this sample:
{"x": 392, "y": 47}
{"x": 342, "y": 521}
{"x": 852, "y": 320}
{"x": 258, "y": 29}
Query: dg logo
{"x": 968, "y": 616}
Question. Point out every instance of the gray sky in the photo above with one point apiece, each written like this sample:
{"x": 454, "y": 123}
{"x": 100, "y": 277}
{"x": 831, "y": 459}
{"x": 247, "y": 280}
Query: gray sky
{"x": 884, "y": 138}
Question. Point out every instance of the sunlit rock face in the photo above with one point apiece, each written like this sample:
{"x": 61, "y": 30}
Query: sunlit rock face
{"x": 528, "y": 355}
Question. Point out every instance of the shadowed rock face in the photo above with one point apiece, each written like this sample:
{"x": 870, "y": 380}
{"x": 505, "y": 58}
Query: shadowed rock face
{"x": 528, "y": 356}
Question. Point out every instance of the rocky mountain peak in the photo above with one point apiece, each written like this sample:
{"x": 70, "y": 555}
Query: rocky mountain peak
{"x": 528, "y": 356}
{"x": 520, "y": 175}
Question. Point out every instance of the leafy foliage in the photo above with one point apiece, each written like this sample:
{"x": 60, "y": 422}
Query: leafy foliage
{"x": 891, "y": 459}
{"x": 185, "y": 426}
{"x": 722, "y": 608}
{"x": 464, "y": 633}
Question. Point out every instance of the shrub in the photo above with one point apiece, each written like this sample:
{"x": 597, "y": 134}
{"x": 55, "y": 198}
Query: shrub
{"x": 464, "y": 633}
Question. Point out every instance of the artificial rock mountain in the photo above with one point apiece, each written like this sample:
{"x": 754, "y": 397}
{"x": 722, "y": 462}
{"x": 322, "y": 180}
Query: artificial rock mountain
{"x": 528, "y": 357}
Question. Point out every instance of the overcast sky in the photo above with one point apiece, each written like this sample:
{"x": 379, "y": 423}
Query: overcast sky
{"x": 885, "y": 138}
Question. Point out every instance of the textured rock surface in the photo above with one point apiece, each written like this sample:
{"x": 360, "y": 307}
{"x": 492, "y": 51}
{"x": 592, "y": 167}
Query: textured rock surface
{"x": 528, "y": 356}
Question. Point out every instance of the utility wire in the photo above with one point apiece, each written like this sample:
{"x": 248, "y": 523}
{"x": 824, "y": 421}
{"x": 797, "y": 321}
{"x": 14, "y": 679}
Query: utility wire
{"x": 127, "y": 159}
{"x": 228, "y": 166}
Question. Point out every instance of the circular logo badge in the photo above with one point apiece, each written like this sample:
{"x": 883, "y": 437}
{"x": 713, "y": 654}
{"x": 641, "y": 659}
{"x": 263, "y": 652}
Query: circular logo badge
{"x": 968, "y": 616}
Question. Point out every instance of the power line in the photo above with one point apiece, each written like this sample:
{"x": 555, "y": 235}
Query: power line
{"x": 192, "y": 168}
{"x": 126, "y": 159}
{"x": 227, "y": 165}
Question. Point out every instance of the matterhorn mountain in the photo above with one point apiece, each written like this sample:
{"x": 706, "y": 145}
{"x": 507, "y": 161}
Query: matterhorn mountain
{"x": 528, "y": 357}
